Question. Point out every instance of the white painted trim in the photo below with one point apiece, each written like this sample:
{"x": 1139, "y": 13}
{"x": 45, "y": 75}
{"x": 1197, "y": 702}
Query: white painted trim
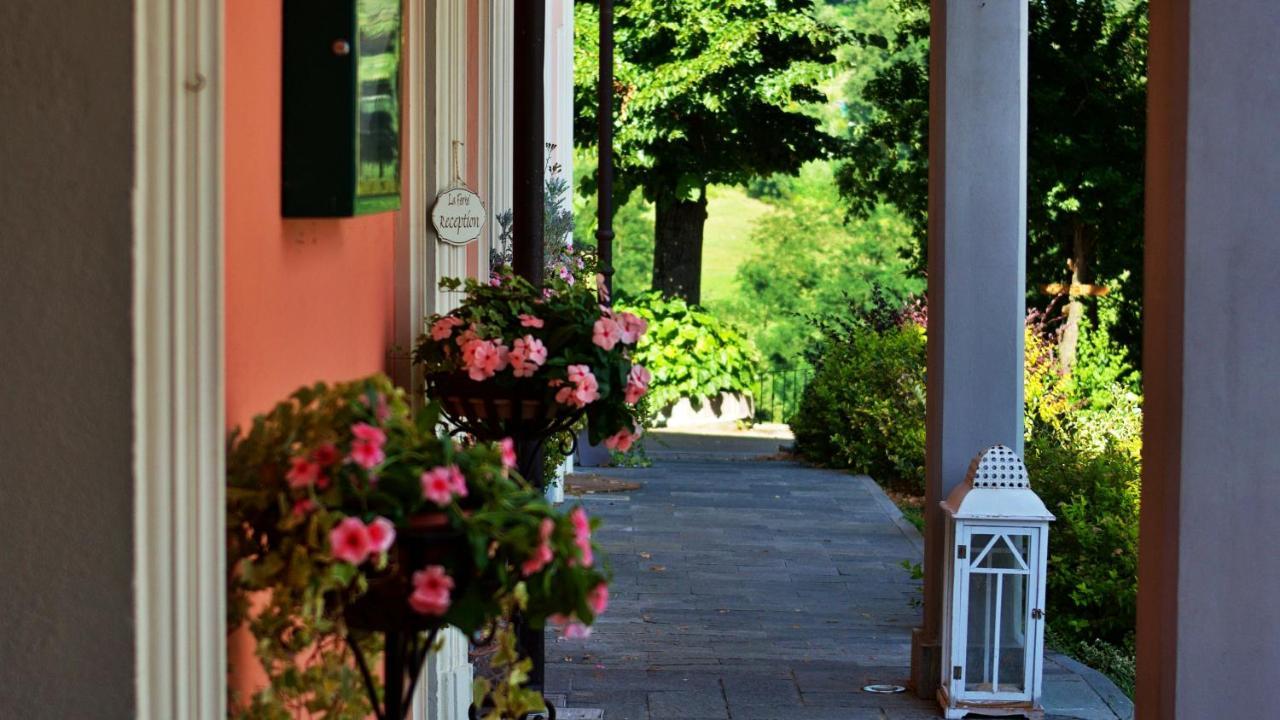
{"x": 502, "y": 123}
{"x": 435, "y": 92}
{"x": 179, "y": 425}
{"x": 414, "y": 254}
{"x": 447, "y": 96}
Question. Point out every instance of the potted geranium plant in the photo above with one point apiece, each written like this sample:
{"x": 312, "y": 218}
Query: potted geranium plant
{"x": 517, "y": 359}
{"x": 365, "y": 524}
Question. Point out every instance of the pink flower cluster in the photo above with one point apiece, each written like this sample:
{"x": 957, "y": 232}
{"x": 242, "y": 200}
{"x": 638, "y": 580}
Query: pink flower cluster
{"x": 574, "y": 629}
{"x": 613, "y": 328}
{"x": 443, "y": 328}
{"x": 308, "y": 471}
{"x": 582, "y": 535}
{"x": 366, "y": 449}
{"x": 527, "y": 355}
{"x": 542, "y": 555}
{"x": 485, "y": 358}
{"x": 431, "y": 589}
{"x": 353, "y": 541}
{"x": 637, "y": 384}
{"x": 622, "y": 440}
{"x": 508, "y": 448}
{"x": 441, "y": 485}
{"x": 582, "y": 388}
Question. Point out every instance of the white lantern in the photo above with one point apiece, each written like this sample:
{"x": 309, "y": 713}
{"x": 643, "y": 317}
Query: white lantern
{"x": 993, "y": 624}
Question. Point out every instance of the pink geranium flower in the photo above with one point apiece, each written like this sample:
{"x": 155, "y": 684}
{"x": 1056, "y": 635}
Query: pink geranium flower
{"x": 381, "y": 535}
{"x": 366, "y": 454}
{"x": 637, "y": 384}
{"x": 325, "y": 454}
{"x": 366, "y": 451}
{"x": 442, "y": 484}
{"x": 303, "y": 473}
{"x": 465, "y": 337}
{"x": 633, "y": 327}
{"x": 606, "y": 332}
{"x": 303, "y": 506}
{"x": 583, "y": 388}
{"x": 484, "y": 358}
{"x": 508, "y": 447}
{"x": 431, "y": 588}
{"x": 365, "y": 431}
{"x": 527, "y": 355}
{"x": 582, "y": 535}
{"x": 621, "y": 440}
{"x": 530, "y": 321}
{"x": 598, "y": 599}
{"x": 443, "y": 328}
{"x": 349, "y": 541}
{"x": 542, "y": 555}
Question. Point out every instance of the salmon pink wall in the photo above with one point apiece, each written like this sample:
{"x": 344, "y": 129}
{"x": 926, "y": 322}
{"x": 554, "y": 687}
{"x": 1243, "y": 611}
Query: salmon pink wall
{"x": 305, "y": 299}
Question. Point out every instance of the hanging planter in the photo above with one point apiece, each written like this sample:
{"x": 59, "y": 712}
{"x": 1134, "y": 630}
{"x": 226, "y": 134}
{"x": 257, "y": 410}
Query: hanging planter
{"x": 372, "y": 533}
{"x": 515, "y": 361}
{"x": 520, "y": 413}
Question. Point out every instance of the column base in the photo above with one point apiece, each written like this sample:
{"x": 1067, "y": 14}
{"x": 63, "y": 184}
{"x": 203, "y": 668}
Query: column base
{"x": 926, "y": 664}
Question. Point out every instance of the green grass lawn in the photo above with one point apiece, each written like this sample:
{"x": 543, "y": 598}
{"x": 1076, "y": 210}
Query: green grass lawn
{"x": 730, "y": 217}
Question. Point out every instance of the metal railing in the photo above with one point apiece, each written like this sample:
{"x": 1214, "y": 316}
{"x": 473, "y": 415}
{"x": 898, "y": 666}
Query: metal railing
{"x": 778, "y": 393}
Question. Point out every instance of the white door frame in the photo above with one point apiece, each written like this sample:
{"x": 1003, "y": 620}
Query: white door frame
{"x": 435, "y": 95}
{"x": 179, "y": 417}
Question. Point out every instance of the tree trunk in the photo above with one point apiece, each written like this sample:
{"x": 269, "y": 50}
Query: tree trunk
{"x": 1069, "y": 340}
{"x": 677, "y": 250}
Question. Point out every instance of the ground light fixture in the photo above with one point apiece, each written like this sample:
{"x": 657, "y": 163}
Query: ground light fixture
{"x": 993, "y": 624}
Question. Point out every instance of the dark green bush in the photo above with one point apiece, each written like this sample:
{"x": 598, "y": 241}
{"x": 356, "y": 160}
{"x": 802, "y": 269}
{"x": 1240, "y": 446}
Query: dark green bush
{"x": 864, "y": 408}
{"x": 1090, "y": 478}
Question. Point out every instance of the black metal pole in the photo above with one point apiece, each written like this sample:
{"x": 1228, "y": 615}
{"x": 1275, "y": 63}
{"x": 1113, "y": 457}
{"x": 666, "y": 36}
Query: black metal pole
{"x": 604, "y": 168}
{"x": 529, "y": 210}
{"x": 530, "y": 139}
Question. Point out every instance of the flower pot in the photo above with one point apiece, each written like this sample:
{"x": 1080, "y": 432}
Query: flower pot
{"x": 592, "y": 455}
{"x": 430, "y": 539}
{"x": 491, "y": 411}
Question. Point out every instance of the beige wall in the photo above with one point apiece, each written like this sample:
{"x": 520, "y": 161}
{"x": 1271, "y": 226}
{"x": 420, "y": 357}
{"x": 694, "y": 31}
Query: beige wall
{"x": 66, "y": 566}
{"x": 1209, "y": 573}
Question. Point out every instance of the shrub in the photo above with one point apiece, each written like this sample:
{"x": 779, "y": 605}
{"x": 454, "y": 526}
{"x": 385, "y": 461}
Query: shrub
{"x": 864, "y": 408}
{"x": 690, "y": 352}
{"x": 1093, "y": 547}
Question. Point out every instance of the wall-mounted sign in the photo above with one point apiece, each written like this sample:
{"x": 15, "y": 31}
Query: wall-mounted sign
{"x": 458, "y": 216}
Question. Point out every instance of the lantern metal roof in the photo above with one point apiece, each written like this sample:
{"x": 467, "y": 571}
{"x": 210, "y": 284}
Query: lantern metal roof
{"x": 996, "y": 488}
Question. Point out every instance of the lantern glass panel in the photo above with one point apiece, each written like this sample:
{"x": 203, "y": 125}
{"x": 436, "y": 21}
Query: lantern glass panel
{"x": 998, "y": 613}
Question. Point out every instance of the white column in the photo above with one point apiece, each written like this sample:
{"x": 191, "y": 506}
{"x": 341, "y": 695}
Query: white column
{"x": 501, "y": 88}
{"x": 1208, "y": 639}
{"x": 977, "y": 259}
{"x": 448, "y": 101}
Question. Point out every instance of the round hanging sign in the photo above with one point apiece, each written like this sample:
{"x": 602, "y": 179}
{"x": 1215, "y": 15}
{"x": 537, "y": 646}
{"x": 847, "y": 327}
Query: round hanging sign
{"x": 458, "y": 216}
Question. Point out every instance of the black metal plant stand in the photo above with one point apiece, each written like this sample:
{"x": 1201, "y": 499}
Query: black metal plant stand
{"x": 403, "y": 656}
{"x": 490, "y": 414}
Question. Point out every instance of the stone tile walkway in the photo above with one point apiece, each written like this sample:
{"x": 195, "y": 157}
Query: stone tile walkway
{"x": 748, "y": 589}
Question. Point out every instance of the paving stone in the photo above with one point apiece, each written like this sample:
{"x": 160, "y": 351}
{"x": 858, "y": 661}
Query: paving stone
{"x": 756, "y": 590}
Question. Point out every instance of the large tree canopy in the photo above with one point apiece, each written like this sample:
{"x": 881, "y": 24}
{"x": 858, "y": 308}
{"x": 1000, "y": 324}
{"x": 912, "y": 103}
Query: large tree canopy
{"x": 709, "y": 92}
{"x": 1086, "y": 134}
